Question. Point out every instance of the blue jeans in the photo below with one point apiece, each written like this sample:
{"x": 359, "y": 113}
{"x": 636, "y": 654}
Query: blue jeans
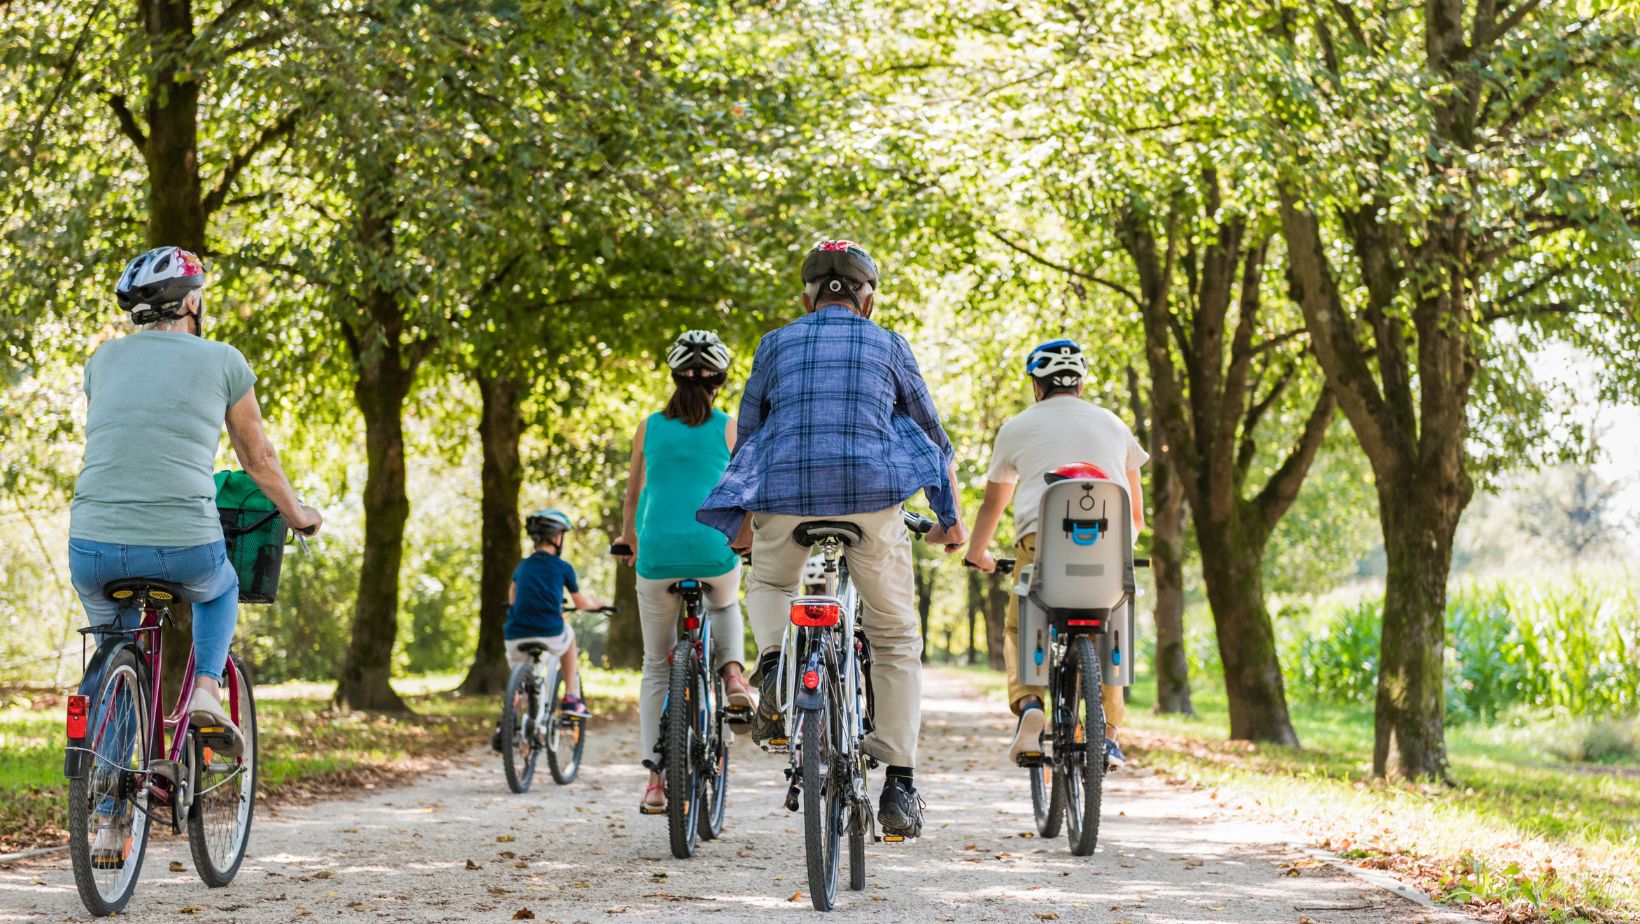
{"x": 208, "y": 582}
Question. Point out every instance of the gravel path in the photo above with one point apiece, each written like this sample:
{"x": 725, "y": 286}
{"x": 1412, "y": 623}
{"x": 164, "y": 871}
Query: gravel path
{"x": 459, "y": 847}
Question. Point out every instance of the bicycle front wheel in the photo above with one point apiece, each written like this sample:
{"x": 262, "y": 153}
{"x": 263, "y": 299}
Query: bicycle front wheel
{"x": 566, "y": 736}
{"x": 107, "y": 811}
{"x": 684, "y": 705}
{"x": 822, "y": 803}
{"x": 518, "y": 751}
{"x": 1083, "y": 773}
{"x": 219, "y": 826}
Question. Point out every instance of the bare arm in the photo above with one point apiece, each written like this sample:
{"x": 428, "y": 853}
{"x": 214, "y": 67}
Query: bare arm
{"x": 634, "y": 489}
{"x": 261, "y": 461}
{"x": 997, "y": 496}
{"x": 585, "y": 602}
{"x": 1136, "y": 491}
{"x": 729, "y": 435}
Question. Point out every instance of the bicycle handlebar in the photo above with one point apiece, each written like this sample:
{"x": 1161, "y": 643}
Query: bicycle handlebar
{"x": 918, "y": 524}
{"x": 1004, "y": 565}
{"x": 610, "y": 610}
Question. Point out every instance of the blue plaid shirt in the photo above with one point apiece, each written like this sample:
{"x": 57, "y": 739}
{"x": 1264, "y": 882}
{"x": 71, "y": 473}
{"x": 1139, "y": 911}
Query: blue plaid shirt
{"x": 836, "y": 419}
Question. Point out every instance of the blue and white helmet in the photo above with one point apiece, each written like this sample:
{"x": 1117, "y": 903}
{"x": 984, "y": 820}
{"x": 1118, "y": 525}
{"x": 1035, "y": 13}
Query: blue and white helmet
{"x": 1057, "y": 363}
{"x": 546, "y": 522}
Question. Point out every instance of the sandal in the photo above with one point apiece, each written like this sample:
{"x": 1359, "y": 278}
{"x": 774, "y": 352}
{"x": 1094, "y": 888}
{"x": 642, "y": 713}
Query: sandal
{"x": 739, "y": 693}
{"x": 650, "y": 806}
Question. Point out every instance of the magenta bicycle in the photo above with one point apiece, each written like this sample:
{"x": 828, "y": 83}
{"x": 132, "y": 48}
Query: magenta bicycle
{"x": 130, "y": 763}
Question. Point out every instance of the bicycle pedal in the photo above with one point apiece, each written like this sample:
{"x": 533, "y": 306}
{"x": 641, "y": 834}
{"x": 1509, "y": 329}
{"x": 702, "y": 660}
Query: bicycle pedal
{"x": 895, "y": 839}
{"x": 741, "y": 716}
{"x": 1032, "y": 759}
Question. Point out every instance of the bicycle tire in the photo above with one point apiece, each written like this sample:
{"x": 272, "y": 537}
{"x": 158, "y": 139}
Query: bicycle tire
{"x": 1047, "y": 799}
{"x": 714, "y": 798}
{"x": 683, "y": 704}
{"x": 124, "y": 686}
{"x": 1084, "y": 770}
{"x": 518, "y": 750}
{"x": 218, "y": 868}
{"x": 857, "y": 850}
{"x": 821, "y": 804}
{"x": 566, "y": 734}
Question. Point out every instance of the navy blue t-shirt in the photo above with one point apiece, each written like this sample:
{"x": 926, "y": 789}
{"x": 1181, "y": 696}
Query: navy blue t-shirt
{"x": 538, "y": 597}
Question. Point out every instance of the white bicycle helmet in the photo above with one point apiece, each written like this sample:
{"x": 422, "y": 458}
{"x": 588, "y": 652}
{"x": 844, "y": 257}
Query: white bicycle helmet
{"x": 1057, "y": 363}
{"x": 698, "y": 349}
{"x": 153, "y": 285}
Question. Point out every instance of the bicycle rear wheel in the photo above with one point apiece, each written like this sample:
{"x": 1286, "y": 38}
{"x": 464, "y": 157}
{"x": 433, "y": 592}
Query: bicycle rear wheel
{"x": 107, "y": 813}
{"x": 858, "y": 822}
{"x": 822, "y": 803}
{"x": 518, "y": 750}
{"x": 714, "y": 784}
{"x": 1083, "y": 769}
{"x": 1047, "y": 799}
{"x": 219, "y": 825}
{"x": 566, "y": 736}
{"x": 684, "y": 703}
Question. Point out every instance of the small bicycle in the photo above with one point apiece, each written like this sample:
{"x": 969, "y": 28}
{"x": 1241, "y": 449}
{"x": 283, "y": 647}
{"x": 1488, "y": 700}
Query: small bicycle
{"x": 825, "y": 679}
{"x": 122, "y": 769}
{"x": 531, "y": 721}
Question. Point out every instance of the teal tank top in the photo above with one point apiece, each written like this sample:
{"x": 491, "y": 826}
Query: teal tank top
{"x": 681, "y": 466}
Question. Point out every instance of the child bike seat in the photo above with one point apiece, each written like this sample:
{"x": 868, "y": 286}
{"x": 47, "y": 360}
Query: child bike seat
{"x": 126, "y": 589}
{"x": 809, "y": 532}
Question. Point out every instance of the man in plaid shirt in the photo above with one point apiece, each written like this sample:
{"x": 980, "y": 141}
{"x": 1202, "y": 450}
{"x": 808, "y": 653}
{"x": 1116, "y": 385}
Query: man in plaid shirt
{"x": 836, "y": 422}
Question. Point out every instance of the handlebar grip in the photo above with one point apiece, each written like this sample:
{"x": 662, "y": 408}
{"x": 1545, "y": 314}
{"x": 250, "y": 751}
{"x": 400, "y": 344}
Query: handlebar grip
{"x": 1005, "y": 566}
{"x": 917, "y": 523}
{"x": 1141, "y": 563}
{"x": 620, "y": 548}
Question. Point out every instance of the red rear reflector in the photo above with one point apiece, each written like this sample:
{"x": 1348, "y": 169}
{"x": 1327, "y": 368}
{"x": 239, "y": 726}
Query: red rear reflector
{"x": 811, "y": 680}
{"x": 691, "y": 623}
{"x": 1091, "y": 623}
{"x": 78, "y": 708}
{"x": 816, "y": 615}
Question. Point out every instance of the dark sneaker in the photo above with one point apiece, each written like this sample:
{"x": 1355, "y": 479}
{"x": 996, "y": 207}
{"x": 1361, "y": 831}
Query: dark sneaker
{"x": 573, "y": 706}
{"x": 900, "y": 811}
{"x": 768, "y": 723}
{"x": 1028, "y": 734}
{"x": 1113, "y": 755}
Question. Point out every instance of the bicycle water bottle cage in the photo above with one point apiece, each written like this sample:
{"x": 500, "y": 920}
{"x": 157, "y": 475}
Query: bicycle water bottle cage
{"x": 1085, "y": 532}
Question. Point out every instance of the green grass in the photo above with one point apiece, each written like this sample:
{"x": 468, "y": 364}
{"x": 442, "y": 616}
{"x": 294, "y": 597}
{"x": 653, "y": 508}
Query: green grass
{"x": 1522, "y": 829}
{"x": 308, "y": 748}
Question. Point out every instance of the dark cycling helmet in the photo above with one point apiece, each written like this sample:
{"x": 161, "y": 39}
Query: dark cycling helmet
{"x": 1076, "y": 470}
{"x": 841, "y": 268}
{"x": 153, "y": 285}
{"x": 698, "y": 349}
{"x": 546, "y": 523}
{"x": 1060, "y": 362}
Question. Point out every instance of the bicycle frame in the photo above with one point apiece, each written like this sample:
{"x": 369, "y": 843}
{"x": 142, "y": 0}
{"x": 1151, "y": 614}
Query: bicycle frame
{"x": 152, "y": 779}
{"x": 698, "y": 630}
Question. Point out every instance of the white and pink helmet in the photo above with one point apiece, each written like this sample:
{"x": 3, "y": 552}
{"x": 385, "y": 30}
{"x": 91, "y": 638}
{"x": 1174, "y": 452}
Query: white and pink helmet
{"x": 153, "y": 285}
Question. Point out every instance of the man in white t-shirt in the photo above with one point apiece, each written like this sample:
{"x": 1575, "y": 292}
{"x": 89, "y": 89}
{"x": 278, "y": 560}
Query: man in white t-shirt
{"x": 1058, "y": 430}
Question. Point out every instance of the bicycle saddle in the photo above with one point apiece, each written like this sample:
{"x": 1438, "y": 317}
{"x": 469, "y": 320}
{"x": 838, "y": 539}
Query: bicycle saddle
{"x": 809, "y": 532}
{"x": 532, "y": 648}
{"x": 126, "y": 589}
{"x": 676, "y": 587}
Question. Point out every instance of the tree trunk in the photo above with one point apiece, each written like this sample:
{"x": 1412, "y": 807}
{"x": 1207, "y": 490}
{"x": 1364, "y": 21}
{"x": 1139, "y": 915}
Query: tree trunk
{"x": 997, "y": 589}
{"x": 500, "y": 428}
{"x": 995, "y": 623}
{"x": 176, "y": 211}
{"x": 923, "y": 576}
{"x": 1419, "y": 519}
{"x": 623, "y": 646}
{"x": 1231, "y": 558}
{"x": 1167, "y": 567}
{"x": 381, "y": 389}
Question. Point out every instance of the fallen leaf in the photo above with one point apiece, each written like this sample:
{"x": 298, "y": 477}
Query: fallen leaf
{"x": 504, "y": 839}
{"x": 1047, "y": 915}
{"x": 796, "y": 896}
{"x": 176, "y": 866}
{"x": 523, "y": 914}
{"x": 324, "y": 874}
{"x": 472, "y": 865}
{"x": 188, "y": 909}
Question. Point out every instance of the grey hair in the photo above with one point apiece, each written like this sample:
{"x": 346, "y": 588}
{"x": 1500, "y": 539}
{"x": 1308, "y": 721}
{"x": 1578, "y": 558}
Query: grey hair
{"x": 812, "y": 290}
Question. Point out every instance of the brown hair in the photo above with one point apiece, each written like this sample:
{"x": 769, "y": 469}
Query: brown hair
{"x": 692, "y": 399}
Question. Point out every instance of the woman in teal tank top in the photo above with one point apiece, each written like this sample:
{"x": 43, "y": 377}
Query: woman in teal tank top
{"x": 678, "y": 455}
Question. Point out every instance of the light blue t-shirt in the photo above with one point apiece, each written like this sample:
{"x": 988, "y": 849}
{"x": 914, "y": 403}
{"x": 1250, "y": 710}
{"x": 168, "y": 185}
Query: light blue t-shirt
{"x": 158, "y": 400}
{"x": 681, "y": 464}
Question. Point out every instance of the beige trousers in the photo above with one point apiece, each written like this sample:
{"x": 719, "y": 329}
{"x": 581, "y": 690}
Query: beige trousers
{"x": 658, "y": 616}
{"x": 1115, "y": 706}
{"x": 880, "y": 567}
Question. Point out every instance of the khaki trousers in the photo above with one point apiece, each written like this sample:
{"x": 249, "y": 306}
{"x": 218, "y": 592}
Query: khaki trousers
{"x": 658, "y": 616}
{"x": 1115, "y": 707}
{"x": 880, "y": 567}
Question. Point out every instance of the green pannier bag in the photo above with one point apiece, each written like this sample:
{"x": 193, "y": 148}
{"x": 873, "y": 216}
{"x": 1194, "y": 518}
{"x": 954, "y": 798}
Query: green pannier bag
{"x": 255, "y": 534}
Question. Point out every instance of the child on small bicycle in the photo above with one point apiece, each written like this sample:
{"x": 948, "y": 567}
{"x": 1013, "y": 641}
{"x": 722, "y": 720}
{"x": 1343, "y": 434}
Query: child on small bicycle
{"x": 536, "y": 613}
{"x": 1059, "y": 429}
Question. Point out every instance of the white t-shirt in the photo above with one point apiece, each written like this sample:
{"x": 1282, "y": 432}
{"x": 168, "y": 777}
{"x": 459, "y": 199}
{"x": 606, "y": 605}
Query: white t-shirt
{"x": 1053, "y": 432}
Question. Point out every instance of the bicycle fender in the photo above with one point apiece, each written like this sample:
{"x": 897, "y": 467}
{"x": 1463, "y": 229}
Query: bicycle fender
{"x": 76, "y": 762}
{"x": 809, "y": 700}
